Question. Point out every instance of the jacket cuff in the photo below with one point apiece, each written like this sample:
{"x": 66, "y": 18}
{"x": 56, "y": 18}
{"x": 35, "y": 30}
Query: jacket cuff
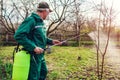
{"x": 49, "y": 41}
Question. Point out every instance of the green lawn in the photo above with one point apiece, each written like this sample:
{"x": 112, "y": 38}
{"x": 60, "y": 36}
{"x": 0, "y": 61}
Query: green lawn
{"x": 70, "y": 62}
{"x": 63, "y": 63}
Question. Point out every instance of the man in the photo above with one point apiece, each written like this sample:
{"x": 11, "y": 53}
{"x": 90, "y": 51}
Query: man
{"x": 31, "y": 34}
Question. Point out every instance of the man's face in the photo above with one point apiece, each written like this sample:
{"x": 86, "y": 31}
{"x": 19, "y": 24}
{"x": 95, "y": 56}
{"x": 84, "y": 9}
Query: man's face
{"x": 45, "y": 13}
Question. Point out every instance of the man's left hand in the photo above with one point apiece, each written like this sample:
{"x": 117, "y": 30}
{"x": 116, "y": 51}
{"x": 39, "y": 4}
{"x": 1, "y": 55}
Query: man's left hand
{"x": 57, "y": 42}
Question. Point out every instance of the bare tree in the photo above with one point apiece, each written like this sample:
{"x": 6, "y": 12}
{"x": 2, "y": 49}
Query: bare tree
{"x": 60, "y": 13}
{"x": 91, "y": 24}
{"x": 1, "y": 5}
{"x": 105, "y": 20}
{"x": 14, "y": 12}
{"x": 17, "y": 13}
{"x": 76, "y": 17}
{"x": 63, "y": 10}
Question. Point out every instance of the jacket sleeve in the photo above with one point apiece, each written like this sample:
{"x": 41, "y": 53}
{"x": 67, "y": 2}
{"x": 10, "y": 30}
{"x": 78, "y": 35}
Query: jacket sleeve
{"x": 21, "y": 35}
{"x": 49, "y": 41}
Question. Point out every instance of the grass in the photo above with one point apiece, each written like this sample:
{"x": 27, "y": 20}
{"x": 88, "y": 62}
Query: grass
{"x": 70, "y": 62}
{"x": 6, "y": 63}
{"x": 63, "y": 63}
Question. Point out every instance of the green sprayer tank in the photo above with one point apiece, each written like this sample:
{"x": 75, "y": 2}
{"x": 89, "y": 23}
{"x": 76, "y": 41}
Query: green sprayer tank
{"x": 21, "y": 66}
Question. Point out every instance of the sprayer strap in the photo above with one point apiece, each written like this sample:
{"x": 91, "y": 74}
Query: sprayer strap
{"x": 17, "y": 48}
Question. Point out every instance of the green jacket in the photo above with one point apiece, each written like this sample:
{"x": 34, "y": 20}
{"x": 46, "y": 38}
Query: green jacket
{"x": 32, "y": 33}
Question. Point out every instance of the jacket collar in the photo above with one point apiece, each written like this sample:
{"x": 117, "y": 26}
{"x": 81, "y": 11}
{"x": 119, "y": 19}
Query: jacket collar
{"x": 37, "y": 17}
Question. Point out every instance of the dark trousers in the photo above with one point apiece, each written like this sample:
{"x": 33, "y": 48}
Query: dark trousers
{"x": 38, "y": 69}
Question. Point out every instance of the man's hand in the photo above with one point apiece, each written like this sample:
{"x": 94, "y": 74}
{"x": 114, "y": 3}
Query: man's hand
{"x": 57, "y": 42}
{"x": 38, "y": 50}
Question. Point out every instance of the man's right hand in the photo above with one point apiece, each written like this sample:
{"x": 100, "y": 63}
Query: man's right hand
{"x": 38, "y": 50}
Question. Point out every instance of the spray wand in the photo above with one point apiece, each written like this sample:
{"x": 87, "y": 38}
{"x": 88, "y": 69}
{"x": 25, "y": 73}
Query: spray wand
{"x": 62, "y": 42}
